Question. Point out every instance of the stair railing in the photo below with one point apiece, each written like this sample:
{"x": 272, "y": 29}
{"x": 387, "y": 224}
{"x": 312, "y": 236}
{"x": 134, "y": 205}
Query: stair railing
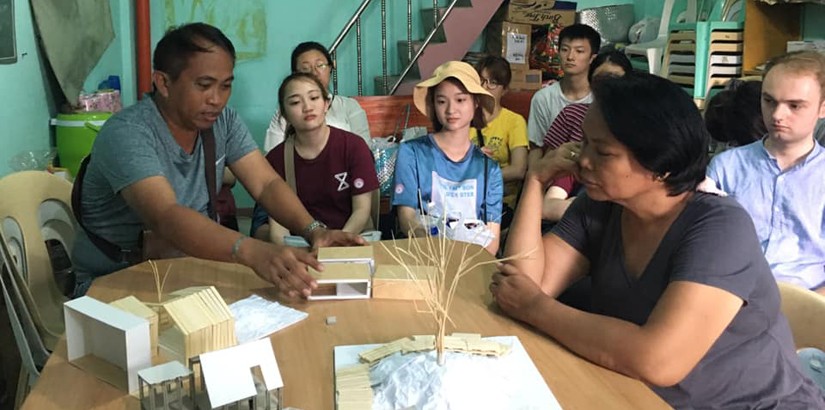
{"x": 355, "y": 20}
{"x": 414, "y": 59}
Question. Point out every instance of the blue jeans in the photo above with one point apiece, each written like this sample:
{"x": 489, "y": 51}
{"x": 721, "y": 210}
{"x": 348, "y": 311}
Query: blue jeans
{"x": 813, "y": 364}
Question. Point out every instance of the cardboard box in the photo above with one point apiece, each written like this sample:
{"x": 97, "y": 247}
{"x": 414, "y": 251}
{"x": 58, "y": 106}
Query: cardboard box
{"x": 811, "y": 45}
{"x": 529, "y": 80}
{"x": 541, "y": 12}
{"x": 515, "y": 44}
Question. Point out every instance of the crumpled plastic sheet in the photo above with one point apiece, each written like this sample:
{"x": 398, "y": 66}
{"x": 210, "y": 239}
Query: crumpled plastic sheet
{"x": 256, "y": 317}
{"x": 467, "y": 381}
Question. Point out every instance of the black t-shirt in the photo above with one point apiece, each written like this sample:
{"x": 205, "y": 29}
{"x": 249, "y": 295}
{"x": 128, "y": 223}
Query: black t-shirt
{"x": 713, "y": 242}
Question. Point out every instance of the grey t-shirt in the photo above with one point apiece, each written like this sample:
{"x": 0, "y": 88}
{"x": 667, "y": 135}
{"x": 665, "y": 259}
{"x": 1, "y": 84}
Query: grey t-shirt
{"x": 136, "y": 144}
{"x": 713, "y": 242}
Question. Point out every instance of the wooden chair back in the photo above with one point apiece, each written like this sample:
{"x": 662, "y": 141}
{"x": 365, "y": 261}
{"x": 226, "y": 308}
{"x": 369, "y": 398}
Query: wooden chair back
{"x": 386, "y": 112}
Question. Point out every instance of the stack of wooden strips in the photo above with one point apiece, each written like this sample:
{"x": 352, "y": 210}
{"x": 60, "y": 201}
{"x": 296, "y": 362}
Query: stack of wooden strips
{"x": 164, "y": 322}
{"x": 374, "y": 355}
{"x": 132, "y": 305}
{"x": 202, "y": 323}
{"x": 473, "y": 344}
{"x": 347, "y": 254}
{"x": 352, "y": 388}
{"x": 458, "y": 342}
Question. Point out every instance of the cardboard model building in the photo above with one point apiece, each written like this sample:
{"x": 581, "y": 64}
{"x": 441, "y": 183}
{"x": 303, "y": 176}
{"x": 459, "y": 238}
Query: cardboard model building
{"x": 162, "y": 386}
{"x": 198, "y": 322}
{"x": 103, "y": 340}
{"x": 242, "y": 375}
{"x": 347, "y": 273}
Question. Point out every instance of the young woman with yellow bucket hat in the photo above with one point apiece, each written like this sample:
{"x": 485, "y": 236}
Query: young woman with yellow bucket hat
{"x": 443, "y": 173}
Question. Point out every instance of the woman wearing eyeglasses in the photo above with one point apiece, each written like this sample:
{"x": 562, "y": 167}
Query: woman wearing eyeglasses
{"x": 344, "y": 113}
{"x": 504, "y": 139}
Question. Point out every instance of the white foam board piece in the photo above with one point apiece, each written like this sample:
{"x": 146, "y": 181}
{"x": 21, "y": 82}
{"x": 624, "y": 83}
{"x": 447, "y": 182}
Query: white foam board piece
{"x": 228, "y": 372}
{"x": 521, "y": 378}
{"x": 94, "y": 328}
{"x": 164, "y": 372}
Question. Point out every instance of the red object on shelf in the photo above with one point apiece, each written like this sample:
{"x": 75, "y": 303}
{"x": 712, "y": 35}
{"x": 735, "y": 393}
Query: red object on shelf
{"x": 143, "y": 41}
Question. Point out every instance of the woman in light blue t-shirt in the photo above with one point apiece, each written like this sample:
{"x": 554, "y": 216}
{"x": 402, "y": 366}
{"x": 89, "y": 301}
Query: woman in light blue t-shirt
{"x": 443, "y": 173}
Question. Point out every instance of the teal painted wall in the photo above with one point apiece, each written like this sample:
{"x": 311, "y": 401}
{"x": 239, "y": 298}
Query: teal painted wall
{"x": 119, "y": 58}
{"x": 812, "y": 19}
{"x": 588, "y": 4}
{"x": 25, "y": 112}
{"x": 287, "y": 23}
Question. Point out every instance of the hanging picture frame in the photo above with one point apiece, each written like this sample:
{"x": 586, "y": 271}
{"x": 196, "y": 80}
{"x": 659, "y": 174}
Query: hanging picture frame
{"x": 8, "y": 41}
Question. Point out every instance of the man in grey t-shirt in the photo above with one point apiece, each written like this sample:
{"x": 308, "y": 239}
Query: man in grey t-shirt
{"x": 147, "y": 171}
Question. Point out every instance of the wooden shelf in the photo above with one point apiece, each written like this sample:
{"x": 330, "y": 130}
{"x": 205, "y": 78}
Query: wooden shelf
{"x": 768, "y": 28}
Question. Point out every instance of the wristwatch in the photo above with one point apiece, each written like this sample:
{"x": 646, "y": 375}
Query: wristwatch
{"x": 312, "y": 227}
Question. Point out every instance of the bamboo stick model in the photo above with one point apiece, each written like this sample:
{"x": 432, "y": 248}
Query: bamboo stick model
{"x": 159, "y": 282}
{"x": 434, "y": 283}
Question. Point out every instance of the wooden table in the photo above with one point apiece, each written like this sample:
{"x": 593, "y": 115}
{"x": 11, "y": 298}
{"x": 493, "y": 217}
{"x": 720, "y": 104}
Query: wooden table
{"x": 304, "y": 350}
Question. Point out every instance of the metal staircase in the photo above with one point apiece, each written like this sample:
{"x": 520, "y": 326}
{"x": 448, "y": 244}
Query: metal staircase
{"x": 450, "y": 27}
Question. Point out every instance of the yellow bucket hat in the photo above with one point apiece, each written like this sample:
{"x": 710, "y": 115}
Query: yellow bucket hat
{"x": 462, "y": 72}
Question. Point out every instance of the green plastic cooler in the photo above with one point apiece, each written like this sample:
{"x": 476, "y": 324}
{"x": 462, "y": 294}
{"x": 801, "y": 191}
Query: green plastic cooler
{"x": 74, "y": 136}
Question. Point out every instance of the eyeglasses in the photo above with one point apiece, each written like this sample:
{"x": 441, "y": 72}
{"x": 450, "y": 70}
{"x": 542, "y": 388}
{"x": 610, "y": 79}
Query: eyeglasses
{"x": 489, "y": 84}
{"x": 317, "y": 67}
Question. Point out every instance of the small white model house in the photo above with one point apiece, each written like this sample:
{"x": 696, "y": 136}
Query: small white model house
{"x": 229, "y": 376}
{"x": 111, "y": 344}
{"x": 162, "y": 386}
{"x": 342, "y": 281}
{"x": 347, "y": 273}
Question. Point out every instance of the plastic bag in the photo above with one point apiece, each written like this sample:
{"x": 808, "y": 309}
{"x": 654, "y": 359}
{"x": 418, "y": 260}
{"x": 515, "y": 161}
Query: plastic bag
{"x": 99, "y": 101}
{"x": 385, "y": 152}
{"x": 544, "y": 55}
{"x": 470, "y": 230}
{"x": 643, "y": 31}
{"x": 454, "y": 227}
{"x": 38, "y": 160}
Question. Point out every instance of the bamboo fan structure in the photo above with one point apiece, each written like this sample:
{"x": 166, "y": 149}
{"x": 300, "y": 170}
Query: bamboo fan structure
{"x": 429, "y": 263}
{"x": 160, "y": 281}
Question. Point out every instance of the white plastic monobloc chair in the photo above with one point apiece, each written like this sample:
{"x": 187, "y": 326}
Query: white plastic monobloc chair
{"x": 35, "y": 206}
{"x": 33, "y": 354}
{"x": 654, "y": 50}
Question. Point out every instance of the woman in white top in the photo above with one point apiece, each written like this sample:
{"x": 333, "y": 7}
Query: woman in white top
{"x": 344, "y": 112}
